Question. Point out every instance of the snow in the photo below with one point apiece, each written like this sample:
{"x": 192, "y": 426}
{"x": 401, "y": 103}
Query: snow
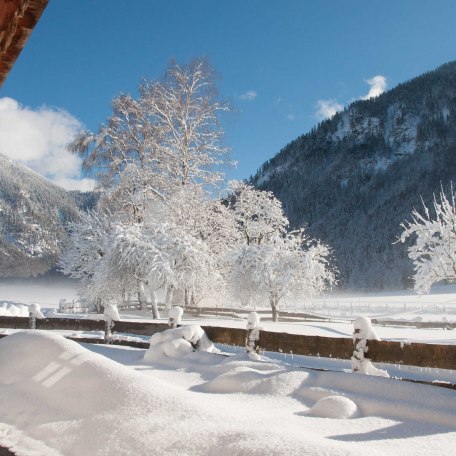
{"x": 363, "y": 329}
{"x": 81, "y": 399}
{"x": 8, "y": 309}
{"x": 362, "y": 333}
{"x": 253, "y": 320}
{"x": 175, "y": 315}
{"x": 35, "y": 310}
{"x": 61, "y": 398}
{"x": 174, "y": 343}
{"x": 338, "y": 407}
{"x": 29, "y": 291}
{"x": 111, "y": 312}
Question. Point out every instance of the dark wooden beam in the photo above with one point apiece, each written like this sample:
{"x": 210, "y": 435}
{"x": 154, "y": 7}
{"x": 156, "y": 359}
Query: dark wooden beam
{"x": 17, "y": 20}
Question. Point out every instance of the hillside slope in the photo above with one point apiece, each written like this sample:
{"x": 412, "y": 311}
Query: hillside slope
{"x": 33, "y": 214}
{"x": 353, "y": 179}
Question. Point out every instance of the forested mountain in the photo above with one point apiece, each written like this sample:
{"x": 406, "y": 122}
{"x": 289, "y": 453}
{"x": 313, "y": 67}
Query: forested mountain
{"x": 355, "y": 177}
{"x": 33, "y": 214}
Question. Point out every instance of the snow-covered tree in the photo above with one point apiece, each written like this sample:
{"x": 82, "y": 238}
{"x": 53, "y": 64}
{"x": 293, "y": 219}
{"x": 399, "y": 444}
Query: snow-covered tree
{"x": 144, "y": 258}
{"x": 85, "y": 253}
{"x": 434, "y": 249}
{"x": 156, "y": 159}
{"x": 258, "y": 214}
{"x": 207, "y": 219}
{"x": 186, "y": 110}
{"x": 290, "y": 265}
{"x": 270, "y": 263}
{"x": 170, "y": 136}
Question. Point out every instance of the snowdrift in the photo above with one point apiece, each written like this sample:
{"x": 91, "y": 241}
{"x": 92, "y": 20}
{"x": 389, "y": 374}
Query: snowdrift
{"x": 60, "y": 398}
{"x": 57, "y": 397}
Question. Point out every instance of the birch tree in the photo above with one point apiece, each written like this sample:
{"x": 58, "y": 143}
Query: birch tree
{"x": 168, "y": 137}
{"x": 156, "y": 158}
{"x": 186, "y": 110}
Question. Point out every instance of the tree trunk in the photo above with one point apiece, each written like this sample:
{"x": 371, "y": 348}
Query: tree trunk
{"x": 142, "y": 297}
{"x": 186, "y": 297}
{"x": 274, "y": 303}
{"x": 153, "y": 296}
{"x": 169, "y": 296}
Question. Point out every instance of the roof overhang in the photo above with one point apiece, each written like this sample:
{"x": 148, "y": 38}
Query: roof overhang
{"x": 17, "y": 20}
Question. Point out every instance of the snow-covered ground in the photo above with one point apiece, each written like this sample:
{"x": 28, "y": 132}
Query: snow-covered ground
{"x": 45, "y": 293}
{"x": 439, "y": 306}
{"x": 61, "y": 398}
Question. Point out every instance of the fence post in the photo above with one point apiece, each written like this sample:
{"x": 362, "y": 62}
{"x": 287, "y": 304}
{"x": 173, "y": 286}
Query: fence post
{"x": 253, "y": 334}
{"x": 32, "y": 321}
{"x": 111, "y": 314}
{"x": 34, "y": 313}
{"x": 362, "y": 333}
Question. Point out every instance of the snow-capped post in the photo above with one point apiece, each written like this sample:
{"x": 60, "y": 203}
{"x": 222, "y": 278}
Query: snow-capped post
{"x": 34, "y": 313}
{"x": 175, "y": 316}
{"x": 111, "y": 314}
{"x": 253, "y": 333}
{"x": 362, "y": 333}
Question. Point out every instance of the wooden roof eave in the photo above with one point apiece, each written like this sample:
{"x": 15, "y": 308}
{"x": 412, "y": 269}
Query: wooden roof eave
{"x": 17, "y": 20}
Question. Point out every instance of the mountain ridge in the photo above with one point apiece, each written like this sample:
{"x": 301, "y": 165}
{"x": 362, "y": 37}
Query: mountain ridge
{"x": 33, "y": 216}
{"x": 355, "y": 177}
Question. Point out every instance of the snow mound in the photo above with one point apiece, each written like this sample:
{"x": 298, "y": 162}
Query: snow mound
{"x": 77, "y": 402}
{"x": 249, "y": 380}
{"x": 338, "y": 407}
{"x": 35, "y": 309}
{"x": 8, "y": 309}
{"x": 178, "y": 342}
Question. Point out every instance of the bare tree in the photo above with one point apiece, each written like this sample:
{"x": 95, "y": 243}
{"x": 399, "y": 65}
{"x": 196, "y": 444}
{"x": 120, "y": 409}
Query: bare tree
{"x": 169, "y": 137}
{"x": 185, "y": 108}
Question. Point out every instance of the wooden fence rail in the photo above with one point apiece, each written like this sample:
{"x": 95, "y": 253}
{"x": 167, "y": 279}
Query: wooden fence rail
{"x": 415, "y": 354}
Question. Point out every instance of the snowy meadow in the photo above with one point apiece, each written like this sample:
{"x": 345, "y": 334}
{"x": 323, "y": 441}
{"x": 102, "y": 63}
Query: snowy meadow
{"x": 63, "y": 398}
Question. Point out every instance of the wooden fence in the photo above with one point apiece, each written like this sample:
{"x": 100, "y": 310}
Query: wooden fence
{"x": 415, "y": 354}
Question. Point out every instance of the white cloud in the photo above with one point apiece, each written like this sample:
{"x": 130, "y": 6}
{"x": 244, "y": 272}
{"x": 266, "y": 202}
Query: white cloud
{"x": 291, "y": 117}
{"x": 38, "y": 139}
{"x": 378, "y": 85}
{"x": 327, "y": 108}
{"x": 250, "y": 95}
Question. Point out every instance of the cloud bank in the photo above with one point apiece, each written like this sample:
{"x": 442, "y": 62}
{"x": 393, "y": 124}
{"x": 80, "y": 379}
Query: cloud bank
{"x": 327, "y": 108}
{"x": 38, "y": 139}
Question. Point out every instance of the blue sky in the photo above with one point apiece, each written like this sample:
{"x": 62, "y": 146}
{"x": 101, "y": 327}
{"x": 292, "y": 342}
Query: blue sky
{"x": 278, "y": 61}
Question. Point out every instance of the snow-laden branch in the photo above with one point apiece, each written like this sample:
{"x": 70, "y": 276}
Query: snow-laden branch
{"x": 434, "y": 249}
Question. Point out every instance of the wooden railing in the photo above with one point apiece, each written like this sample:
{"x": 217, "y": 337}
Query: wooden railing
{"x": 415, "y": 354}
